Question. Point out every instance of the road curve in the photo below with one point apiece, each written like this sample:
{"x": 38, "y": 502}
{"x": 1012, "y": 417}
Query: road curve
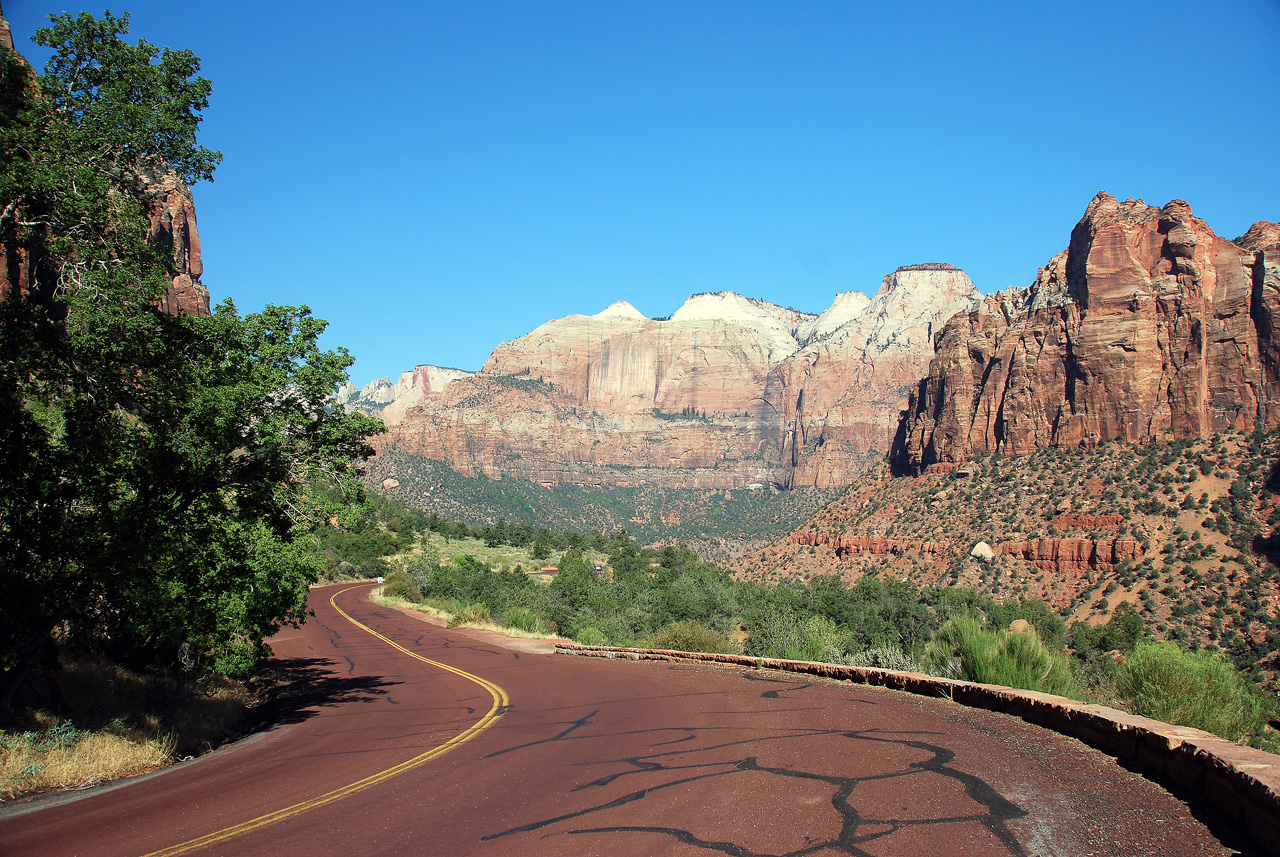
{"x": 419, "y": 740}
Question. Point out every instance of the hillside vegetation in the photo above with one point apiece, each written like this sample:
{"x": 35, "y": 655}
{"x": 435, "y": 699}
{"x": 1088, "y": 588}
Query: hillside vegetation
{"x": 721, "y": 524}
{"x": 1198, "y": 516}
{"x": 667, "y": 597}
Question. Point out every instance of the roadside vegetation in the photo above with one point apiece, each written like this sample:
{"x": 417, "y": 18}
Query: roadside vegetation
{"x": 1202, "y": 514}
{"x": 668, "y": 598}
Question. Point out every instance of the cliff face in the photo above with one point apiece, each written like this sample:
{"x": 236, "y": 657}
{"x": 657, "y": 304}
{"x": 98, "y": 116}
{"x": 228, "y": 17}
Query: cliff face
{"x": 173, "y": 225}
{"x": 1149, "y": 326}
{"x": 729, "y": 392}
{"x": 414, "y": 389}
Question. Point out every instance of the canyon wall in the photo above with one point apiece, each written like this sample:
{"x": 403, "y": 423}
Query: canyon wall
{"x": 729, "y": 392}
{"x": 1148, "y": 327}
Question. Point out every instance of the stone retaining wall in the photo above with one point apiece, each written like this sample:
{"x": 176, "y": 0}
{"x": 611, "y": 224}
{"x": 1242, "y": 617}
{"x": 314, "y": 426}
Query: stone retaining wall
{"x": 1243, "y": 782}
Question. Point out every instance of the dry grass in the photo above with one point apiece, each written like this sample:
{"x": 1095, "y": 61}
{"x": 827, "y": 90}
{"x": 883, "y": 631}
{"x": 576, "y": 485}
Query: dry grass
{"x": 120, "y": 723}
{"x": 66, "y": 758}
{"x": 448, "y": 618}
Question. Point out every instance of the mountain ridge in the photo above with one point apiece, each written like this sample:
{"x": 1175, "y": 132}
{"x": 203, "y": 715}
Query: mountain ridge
{"x": 729, "y": 392}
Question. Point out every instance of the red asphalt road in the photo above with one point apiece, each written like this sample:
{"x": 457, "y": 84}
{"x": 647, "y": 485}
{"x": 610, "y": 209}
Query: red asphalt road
{"x": 615, "y": 757}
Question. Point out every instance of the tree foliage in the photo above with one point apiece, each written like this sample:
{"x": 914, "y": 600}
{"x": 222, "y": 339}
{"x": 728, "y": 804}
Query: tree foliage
{"x": 155, "y": 468}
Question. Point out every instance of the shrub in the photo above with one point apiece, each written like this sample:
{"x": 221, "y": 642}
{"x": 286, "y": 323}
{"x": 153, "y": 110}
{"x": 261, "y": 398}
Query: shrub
{"x": 809, "y": 638}
{"x": 400, "y": 585}
{"x": 1196, "y": 689}
{"x": 524, "y": 620}
{"x": 470, "y": 614}
{"x": 689, "y": 636}
{"x": 886, "y": 657}
{"x": 592, "y": 637}
{"x": 962, "y": 648}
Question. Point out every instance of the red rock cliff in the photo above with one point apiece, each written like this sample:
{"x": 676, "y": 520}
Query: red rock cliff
{"x": 1149, "y": 326}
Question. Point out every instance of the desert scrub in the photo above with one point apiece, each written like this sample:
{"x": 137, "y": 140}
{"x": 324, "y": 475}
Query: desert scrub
{"x": 1196, "y": 689}
{"x": 689, "y": 636}
{"x": 592, "y": 637}
{"x": 963, "y": 649}
{"x": 471, "y": 614}
{"x": 800, "y": 638}
{"x": 886, "y": 657}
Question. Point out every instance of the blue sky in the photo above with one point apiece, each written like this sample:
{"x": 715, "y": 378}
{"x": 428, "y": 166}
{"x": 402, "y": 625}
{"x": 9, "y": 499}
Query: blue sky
{"x": 435, "y": 178}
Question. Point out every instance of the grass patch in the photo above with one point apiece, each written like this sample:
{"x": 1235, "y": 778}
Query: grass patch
{"x": 499, "y": 556}
{"x": 116, "y": 723}
{"x": 63, "y": 757}
{"x": 456, "y": 615}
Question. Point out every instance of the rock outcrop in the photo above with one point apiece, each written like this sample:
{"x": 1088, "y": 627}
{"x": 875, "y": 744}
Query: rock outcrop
{"x": 728, "y": 392}
{"x": 173, "y": 225}
{"x": 847, "y": 545}
{"x": 414, "y": 389}
{"x": 1064, "y": 557}
{"x": 1149, "y": 326}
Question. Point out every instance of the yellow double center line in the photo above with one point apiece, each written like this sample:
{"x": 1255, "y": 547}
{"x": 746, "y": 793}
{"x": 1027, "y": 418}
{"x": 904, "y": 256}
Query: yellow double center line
{"x": 500, "y": 702}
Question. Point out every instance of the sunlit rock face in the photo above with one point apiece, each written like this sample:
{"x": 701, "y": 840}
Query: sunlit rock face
{"x": 728, "y": 392}
{"x": 173, "y": 226}
{"x": 1149, "y": 326}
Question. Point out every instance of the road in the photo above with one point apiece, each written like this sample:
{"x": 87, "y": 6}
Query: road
{"x": 414, "y": 739}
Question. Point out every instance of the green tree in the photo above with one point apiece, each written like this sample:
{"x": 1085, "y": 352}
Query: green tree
{"x": 155, "y": 469}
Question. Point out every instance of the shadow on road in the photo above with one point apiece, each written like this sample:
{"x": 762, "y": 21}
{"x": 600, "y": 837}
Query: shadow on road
{"x": 300, "y": 687}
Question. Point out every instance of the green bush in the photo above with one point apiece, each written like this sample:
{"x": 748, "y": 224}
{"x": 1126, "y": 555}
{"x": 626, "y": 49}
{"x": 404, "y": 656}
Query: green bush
{"x": 524, "y": 620}
{"x": 689, "y": 636}
{"x": 799, "y": 638}
{"x": 1194, "y": 689}
{"x": 592, "y": 637}
{"x": 962, "y": 648}
{"x": 398, "y": 584}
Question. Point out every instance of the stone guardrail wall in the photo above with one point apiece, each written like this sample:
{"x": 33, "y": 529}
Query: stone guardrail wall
{"x": 1242, "y": 782}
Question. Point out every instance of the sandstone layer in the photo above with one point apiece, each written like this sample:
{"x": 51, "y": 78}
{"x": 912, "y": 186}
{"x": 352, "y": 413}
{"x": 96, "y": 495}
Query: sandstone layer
{"x": 729, "y": 392}
{"x": 1148, "y": 327}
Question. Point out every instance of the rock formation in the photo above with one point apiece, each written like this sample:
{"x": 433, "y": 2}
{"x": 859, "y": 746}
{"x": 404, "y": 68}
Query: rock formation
{"x": 1149, "y": 326}
{"x": 173, "y": 225}
{"x": 847, "y": 545}
{"x": 1067, "y": 556}
{"x": 414, "y": 389}
{"x": 728, "y": 392}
